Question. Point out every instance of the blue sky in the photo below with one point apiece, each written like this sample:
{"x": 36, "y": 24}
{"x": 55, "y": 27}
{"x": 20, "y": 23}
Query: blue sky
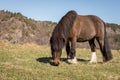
{"x": 53, "y": 10}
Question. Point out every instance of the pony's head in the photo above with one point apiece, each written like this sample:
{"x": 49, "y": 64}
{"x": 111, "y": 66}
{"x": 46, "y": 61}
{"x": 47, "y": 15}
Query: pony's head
{"x": 56, "y": 49}
{"x": 60, "y": 35}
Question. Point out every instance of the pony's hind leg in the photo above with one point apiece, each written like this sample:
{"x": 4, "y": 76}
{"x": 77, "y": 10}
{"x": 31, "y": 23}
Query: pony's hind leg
{"x": 93, "y": 50}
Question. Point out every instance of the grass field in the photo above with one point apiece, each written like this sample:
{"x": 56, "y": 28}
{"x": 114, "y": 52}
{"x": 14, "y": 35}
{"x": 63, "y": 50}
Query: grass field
{"x": 32, "y": 62}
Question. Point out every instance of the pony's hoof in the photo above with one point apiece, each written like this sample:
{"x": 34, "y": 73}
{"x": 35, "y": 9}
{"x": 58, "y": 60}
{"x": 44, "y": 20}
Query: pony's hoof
{"x": 93, "y": 62}
{"x": 72, "y": 61}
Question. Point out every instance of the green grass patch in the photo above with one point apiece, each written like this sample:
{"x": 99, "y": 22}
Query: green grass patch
{"x": 31, "y": 62}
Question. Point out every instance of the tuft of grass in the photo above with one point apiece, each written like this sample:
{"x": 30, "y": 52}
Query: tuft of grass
{"x": 32, "y": 62}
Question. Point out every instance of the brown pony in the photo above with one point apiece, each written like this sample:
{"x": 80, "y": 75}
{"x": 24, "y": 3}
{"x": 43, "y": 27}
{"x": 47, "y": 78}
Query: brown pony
{"x": 74, "y": 28}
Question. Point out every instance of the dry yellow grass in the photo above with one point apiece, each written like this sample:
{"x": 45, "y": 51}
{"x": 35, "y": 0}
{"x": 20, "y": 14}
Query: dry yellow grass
{"x": 31, "y": 62}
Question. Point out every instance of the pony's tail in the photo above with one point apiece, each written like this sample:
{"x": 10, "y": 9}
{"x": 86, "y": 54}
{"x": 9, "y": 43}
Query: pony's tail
{"x": 106, "y": 49}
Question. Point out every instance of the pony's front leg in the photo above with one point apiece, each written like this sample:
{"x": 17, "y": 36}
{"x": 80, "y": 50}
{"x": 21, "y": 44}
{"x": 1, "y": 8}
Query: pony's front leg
{"x": 72, "y": 53}
{"x": 68, "y": 50}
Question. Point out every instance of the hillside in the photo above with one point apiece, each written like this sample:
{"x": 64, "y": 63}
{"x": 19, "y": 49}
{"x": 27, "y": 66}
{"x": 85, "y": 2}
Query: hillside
{"x": 16, "y": 28}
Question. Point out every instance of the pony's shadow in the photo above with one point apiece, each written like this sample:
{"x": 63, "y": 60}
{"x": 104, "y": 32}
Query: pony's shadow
{"x": 82, "y": 60}
{"x": 49, "y": 60}
{"x": 44, "y": 59}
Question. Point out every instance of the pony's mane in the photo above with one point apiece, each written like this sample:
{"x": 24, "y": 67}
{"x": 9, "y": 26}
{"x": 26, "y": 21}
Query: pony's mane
{"x": 62, "y": 29}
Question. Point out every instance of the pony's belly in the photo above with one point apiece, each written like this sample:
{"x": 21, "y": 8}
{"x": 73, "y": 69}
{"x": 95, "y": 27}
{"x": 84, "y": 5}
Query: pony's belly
{"x": 83, "y": 36}
{"x": 81, "y": 40}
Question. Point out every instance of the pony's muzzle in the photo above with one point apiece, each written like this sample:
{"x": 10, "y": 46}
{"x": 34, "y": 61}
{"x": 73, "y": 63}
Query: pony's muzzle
{"x": 56, "y": 62}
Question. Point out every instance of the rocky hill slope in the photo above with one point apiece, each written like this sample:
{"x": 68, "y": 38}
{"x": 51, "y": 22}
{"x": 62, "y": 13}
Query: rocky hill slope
{"x": 16, "y": 28}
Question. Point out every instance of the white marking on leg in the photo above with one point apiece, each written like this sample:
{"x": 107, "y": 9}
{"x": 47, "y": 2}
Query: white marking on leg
{"x": 93, "y": 58}
{"x": 72, "y": 61}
